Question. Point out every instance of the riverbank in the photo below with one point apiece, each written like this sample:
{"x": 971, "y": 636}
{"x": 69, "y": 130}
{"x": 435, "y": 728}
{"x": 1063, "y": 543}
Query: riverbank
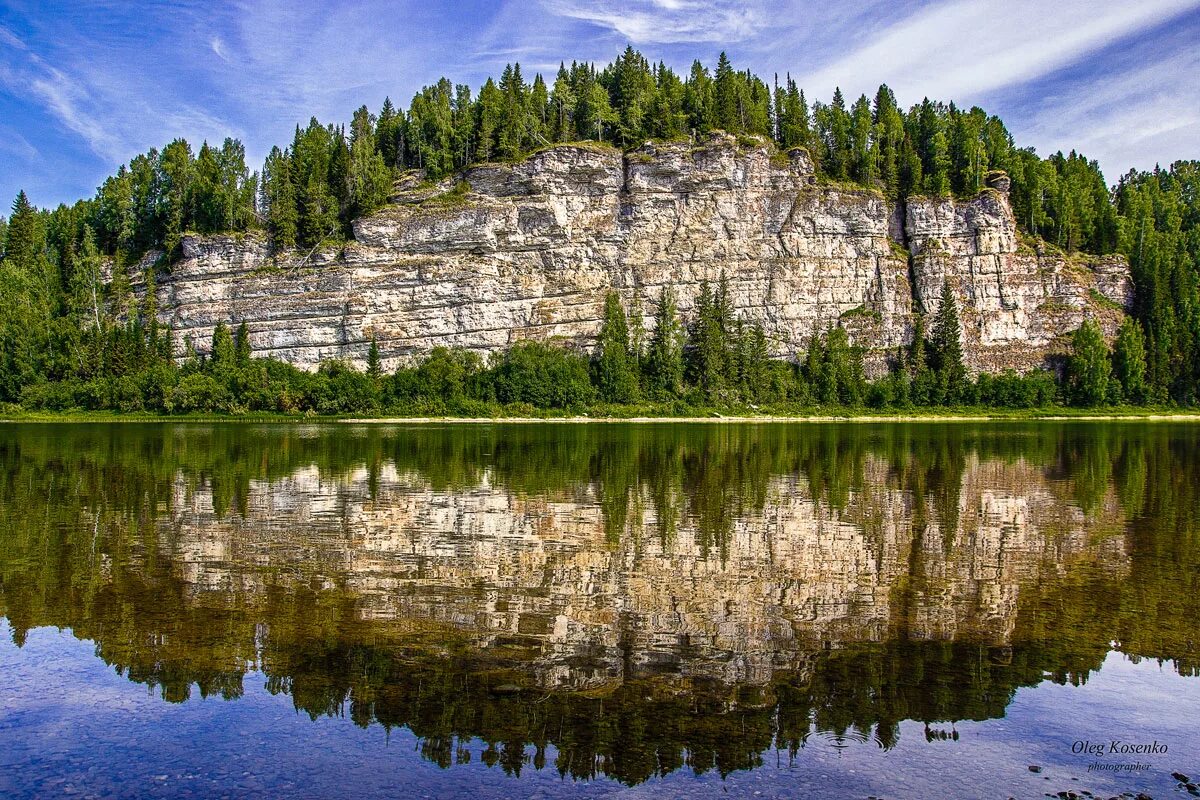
{"x": 612, "y": 415}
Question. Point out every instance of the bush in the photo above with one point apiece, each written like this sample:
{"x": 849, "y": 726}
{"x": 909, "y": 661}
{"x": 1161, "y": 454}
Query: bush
{"x": 543, "y": 376}
{"x": 449, "y": 375}
{"x": 199, "y": 392}
{"x": 1035, "y": 389}
{"x": 52, "y": 396}
{"x": 337, "y": 388}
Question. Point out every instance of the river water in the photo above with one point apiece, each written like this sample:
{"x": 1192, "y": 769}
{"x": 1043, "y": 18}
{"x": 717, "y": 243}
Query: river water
{"x": 556, "y": 610}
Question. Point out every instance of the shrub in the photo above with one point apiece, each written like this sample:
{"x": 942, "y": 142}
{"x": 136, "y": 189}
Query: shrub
{"x": 542, "y": 375}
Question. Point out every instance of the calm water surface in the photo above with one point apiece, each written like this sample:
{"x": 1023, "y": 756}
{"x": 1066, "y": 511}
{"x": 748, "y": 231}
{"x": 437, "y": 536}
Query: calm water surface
{"x": 494, "y": 611}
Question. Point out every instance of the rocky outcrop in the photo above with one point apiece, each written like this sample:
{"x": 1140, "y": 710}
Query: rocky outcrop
{"x": 527, "y": 251}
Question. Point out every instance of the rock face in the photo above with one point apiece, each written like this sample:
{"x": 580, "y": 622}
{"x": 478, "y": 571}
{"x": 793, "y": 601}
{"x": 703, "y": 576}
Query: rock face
{"x": 528, "y": 250}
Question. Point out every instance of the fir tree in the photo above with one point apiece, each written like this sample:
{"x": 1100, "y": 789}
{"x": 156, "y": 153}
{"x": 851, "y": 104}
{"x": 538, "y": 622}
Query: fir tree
{"x": 706, "y": 349}
{"x": 222, "y": 354}
{"x": 664, "y": 361}
{"x": 613, "y": 362}
{"x": 241, "y": 345}
{"x": 947, "y": 348}
{"x": 279, "y": 199}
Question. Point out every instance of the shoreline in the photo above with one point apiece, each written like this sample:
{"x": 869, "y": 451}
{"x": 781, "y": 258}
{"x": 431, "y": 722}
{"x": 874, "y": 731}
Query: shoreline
{"x": 779, "y": 419}
{"x": 1149, "y": 416}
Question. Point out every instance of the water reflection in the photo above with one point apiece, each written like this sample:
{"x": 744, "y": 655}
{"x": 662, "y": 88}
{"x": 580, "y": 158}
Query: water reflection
{"x": 610, "y": 600}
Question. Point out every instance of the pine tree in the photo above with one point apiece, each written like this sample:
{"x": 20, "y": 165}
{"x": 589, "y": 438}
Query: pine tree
{"x": 613, "y": 364}
{"x": 513, "y": 111}
{"x": 386, "y": 130}
{"x": 319, "y": 212}
{"x": 279, "y": 199}
{"x": 706, "y": 352}
{"x": 862, "y": 151}
{"x": 756, "y": 361}
{"x": 698, "y": 99}
{"x": 489, "y": 109}
{"x": 223, "y": 354}
{"x": 725, "y": 97}
{"x": 947, "y": 348}
{"x": 23, "y": 239}
{"x": 173, "y": 211}
{"x": 241, "y": 345}
{"x": 370, "y": 179}
{"x": 664, "y": 361}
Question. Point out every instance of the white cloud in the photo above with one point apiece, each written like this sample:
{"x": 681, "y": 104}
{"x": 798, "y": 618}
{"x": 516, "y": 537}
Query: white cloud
{"x": 668, "y": 21}
{"x": 218, "y": 47}
{"x": 965, "y": 48}
{"x": 116, "y": 110}
{"x": 16, "y": 145}
{"x": 1137, "y": 118}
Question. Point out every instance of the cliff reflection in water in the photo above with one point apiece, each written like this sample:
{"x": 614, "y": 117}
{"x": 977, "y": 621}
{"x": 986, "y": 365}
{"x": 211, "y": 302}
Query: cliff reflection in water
{"x": 630, "y": 599}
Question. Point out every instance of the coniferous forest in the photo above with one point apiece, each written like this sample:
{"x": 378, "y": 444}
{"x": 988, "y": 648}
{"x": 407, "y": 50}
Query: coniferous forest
{"x": 73, "y": 335}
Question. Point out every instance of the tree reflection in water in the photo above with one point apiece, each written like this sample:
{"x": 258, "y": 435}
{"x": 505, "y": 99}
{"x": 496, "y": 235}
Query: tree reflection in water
{"x": 620, "y": 600}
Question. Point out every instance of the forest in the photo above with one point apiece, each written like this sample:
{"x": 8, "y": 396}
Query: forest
{"x": 74, "y": 335}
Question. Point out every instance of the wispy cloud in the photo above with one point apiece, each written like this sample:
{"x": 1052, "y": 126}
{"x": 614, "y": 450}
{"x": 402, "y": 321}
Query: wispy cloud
{"x": 1137, "y": 118}
{"x": 669, "y": 21}
{"x": 16, "y": 145}
{"x": 116, "y": 111}
{"x": 96, "y": 83}
{"x": 966, "y": 48}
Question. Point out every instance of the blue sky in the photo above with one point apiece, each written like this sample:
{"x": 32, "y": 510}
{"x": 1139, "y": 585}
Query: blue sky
{"x": 84, "y": 86}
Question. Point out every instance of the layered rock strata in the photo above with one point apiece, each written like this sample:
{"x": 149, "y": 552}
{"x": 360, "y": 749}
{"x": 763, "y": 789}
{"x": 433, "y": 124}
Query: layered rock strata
{"x": 508, "y": 252}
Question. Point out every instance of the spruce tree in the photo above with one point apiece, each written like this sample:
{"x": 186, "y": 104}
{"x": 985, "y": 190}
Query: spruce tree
{"x": 241, "y": 345}
{"x": 613, "y": 364}
{"x": 223, "y": 353}
{"x": 947, "y": 348}
{"x": 725, "y": 97}
{"x": 23, "y": 239}
{"x": 707, "y": 342}
{"x": 664, "y": 361}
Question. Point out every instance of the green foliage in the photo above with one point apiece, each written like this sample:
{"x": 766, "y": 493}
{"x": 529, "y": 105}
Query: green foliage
{"x": 542, "y": 375}
{"x": 1036, "y": 389}
{"x": 447, "y": 376}
{"x": 946, "y": 349}
{"x": 1160, "y": 234}
{"x": 1088, "y": 368}
{"x": 834, "y": 368}
{"x": 60, "y": 323}
{"x": 664, "y": 361}
{"x": 1129, "y": 361}
{"x": 614, "y": 364}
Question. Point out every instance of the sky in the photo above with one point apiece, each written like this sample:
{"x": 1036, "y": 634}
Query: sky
{"x": 85, "y": 86}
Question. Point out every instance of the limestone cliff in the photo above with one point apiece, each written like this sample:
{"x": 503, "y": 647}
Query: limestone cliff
{"x": 518, "y": 251}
